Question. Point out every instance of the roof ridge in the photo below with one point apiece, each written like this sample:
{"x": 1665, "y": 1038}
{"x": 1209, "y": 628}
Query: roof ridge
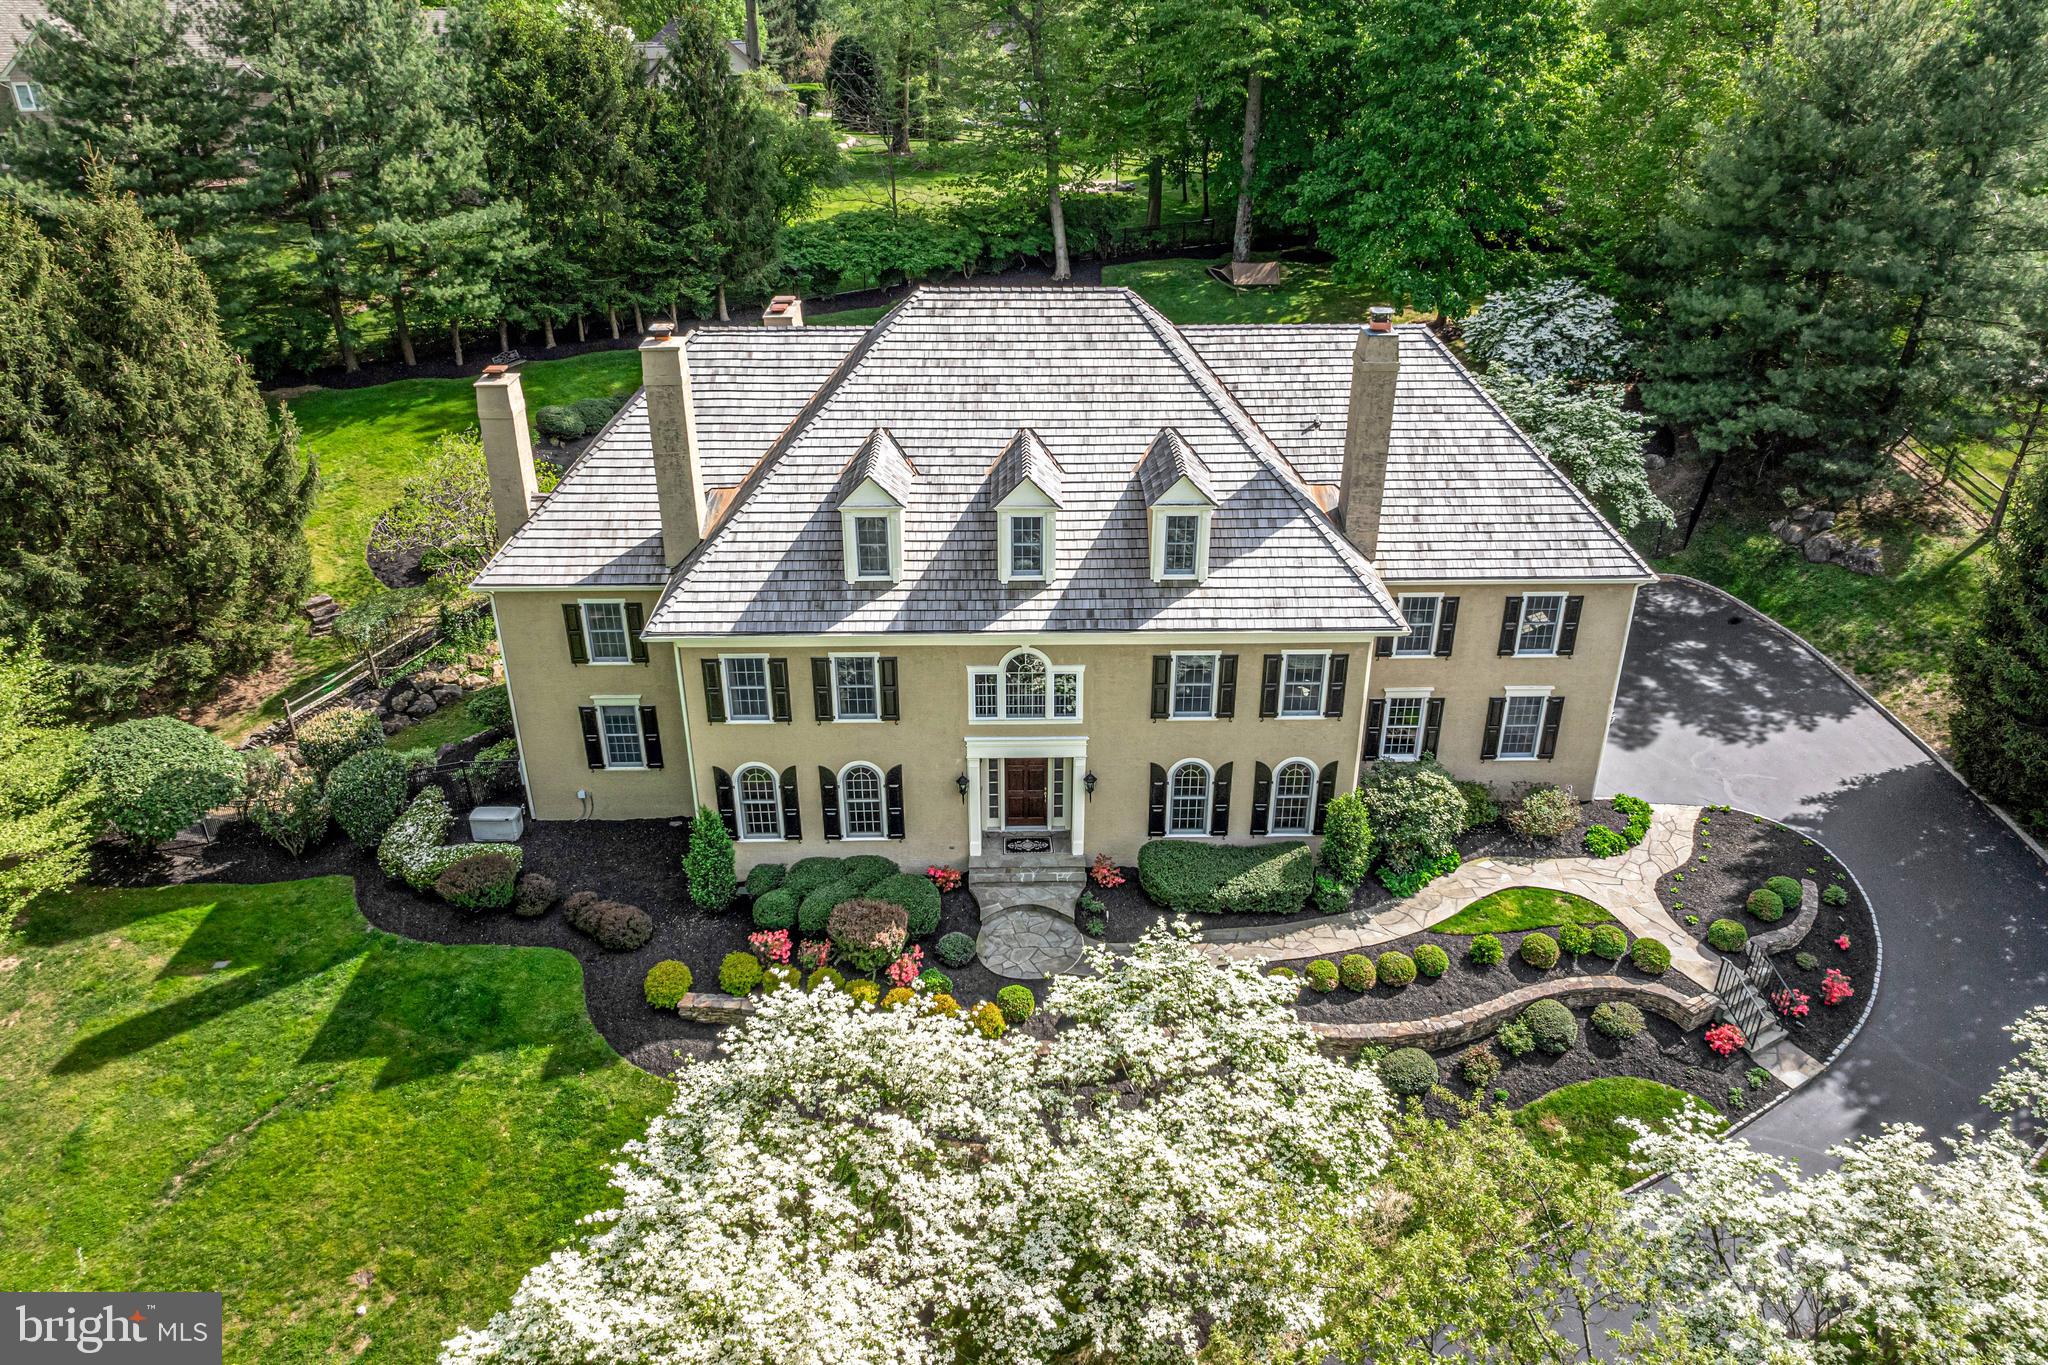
{"x": 574, "y": 471}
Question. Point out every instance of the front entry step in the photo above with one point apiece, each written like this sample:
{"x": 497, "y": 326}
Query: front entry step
{"x": 1027, "y": 875}
{"x": 1028, "y": 942}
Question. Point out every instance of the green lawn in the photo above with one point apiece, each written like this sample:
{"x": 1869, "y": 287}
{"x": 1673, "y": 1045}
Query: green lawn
{"x": 1577, "y": 1122}
{"x": 851, "y": 317}
{"x": 1522, "y": 907}
{"x": 335, "y": 1118}
{"x": 1182, "y": 289}
{"x": 446, "y": 725}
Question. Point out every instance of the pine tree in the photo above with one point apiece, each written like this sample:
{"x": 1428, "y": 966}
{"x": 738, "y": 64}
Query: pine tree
{"x": 154, "y": 506}
{"x": 2000, "y": 726}
{"x": 46, "y": 803}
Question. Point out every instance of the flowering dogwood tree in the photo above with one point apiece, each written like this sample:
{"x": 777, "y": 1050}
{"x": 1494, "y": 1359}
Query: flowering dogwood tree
{"x": 1559, "y": 329}
{"x": 1583, "y": 430}
{"x": 853, "y": 1184}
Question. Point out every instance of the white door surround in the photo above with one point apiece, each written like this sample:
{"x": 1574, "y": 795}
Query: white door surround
{"x": 984, "y": 763}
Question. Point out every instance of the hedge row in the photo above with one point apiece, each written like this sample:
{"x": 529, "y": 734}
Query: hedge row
{"x": 1266, "y": 879}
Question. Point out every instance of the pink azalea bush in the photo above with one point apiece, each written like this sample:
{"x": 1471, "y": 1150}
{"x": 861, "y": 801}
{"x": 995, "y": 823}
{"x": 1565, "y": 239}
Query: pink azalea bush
{"x": 1105, "y": 872}
{"x": 906, "y": 969}
{"x": 813, "y": 954}
{"x": 1790, "y": 1003}
{"x": 770, "y": 945}
{"x": 944, "y": 878}
{"x": 1724, "y": 1039}
{"x": 1843, "y": 943}
{"x": 1835, "y": 988}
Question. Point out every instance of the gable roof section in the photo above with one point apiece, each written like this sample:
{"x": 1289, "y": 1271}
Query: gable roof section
{"x": 881, "y": 459}
{"x": 1166, "y": 463}
{"x": 1467, "y": 497}
{"x": 955, "y": 373}
{"x": 1026, "y": 458}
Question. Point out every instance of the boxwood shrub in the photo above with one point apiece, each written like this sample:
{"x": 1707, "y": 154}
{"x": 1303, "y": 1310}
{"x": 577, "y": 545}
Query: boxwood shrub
{"x": 1609, "y": 941}
{"x": 1786, "y": 889}
{"x": 1539, "y": 950}
{"x": 914, "y": 892}
{"x": 1617, "y": 1019}
{"x": 1834, "y": 894}
{"x": 775, "y": 909}
{"x": 1356, "y": 971}
{"x": 765, "y": 877}
{"x": 1395, "y": 968}
{"x": 956, "y": 949}
{"x": 1017, "y": 1003}
{"x": 365, "y": 792}
{"x": 1575, "y": 939}
{"x": 1765, "y": 905}
{"x": 815, "y": 910}
{"x": 666, "y": 984}
{"x": 1650, "y": 957}
{"x": 1728, "y": 935}
{"x": 932, "y": 981}
{"x": 328, "y": 738}
{"x": 159, "y": 775}
{"x": 825, "y": 977}
{"x": 808, "y": 874}
{"x": 1551, "y": 1025}
{"x": 1322, "y": 976}
{"x": 739, "y": 973}
{"x": 1485, "y": 951}
{"x": 1408, "y": 1071}
{"x": 1269, "y": 879}
{"x": 864, "y": 870}
{"x": 1431, "y": 961}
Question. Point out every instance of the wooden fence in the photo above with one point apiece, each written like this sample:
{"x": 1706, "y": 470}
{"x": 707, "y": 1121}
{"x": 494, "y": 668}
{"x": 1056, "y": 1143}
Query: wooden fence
{"x": 373, "y": 668}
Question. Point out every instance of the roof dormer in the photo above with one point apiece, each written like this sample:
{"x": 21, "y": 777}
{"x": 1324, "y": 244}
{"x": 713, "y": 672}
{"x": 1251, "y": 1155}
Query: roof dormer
{"x": 1027, "y": 489}
{"x": 879, "y": 481}
{"x": 1180, "y": 503}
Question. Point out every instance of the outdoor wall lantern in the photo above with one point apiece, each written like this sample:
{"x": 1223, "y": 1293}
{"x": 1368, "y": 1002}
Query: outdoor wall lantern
{"x": 1088, "y": 784}
{"x": 961, "y": 783}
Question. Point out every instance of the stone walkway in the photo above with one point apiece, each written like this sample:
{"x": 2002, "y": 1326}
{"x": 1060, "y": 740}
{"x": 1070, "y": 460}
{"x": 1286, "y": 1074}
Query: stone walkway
{"x": 1029, "y": 943}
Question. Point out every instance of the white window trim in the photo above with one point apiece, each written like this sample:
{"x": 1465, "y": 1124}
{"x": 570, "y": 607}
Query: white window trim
{"x": 1048, "y": 548}
{"x": 850, "y": 547}
{"x": 1522, "y": 614}
{"x": 583, "y": 606}
{"x": 1436, "y": 626}
{"x": 32, "y": 103}
{"x": 1315, "y": 777}
{"x": 1215, "y": 659}
{"x": 881, "y": 795}
{"x": 1421, "y": 721}
{"x": 1002, "y": 716}
{"x": 725, "y": 690}
{"x": 739, "y": 806}
{"x": 1208, "y": 799}
{"x": 631, "y": 704}
{"x": 1322, "y": 693}
{"x": 1159, "y": 513}
{"x": 1511, "y": 692}
{"x": 838, "y": 716}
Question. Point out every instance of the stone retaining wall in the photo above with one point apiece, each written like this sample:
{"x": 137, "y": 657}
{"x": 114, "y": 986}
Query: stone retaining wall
{"x": 1688, "y": 1011}
{"x": 705, "y": 1008}
{"x": 1785, "y": 935}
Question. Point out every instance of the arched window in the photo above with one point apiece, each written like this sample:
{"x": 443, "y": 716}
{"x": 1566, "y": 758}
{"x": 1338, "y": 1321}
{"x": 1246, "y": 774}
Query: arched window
{"x": 860, "y": 802}
{"x": 1294, "y": 798}
{"x": 760, "y": 803}
{"x": 1024, "y": 687}
{"x": 1187, "y": 798}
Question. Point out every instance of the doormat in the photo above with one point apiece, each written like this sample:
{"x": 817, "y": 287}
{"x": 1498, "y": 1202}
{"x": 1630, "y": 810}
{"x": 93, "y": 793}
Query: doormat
{"x": 1027, "y": 845}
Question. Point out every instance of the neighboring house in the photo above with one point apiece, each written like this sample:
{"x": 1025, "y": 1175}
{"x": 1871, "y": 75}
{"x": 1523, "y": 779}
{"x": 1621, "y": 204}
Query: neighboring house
{"x": 1036, "y": 559}
{"x": 655, "y": 50}
{"x": 18, "y": 19}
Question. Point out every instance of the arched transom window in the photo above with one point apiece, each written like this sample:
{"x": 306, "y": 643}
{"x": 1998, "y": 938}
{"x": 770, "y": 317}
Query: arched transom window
{"x": 1294, "y": 797}
{"x": 860, "y": 802}
{"x": 1024, "y": 686}
{"x": 760, "y": 803}
{"x": 1187, "y": 798}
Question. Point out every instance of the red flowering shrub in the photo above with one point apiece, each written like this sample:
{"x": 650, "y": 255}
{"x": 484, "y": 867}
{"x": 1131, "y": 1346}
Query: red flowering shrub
{"x": 1835, "y": 988}
{"x": 771, "y": 945}
{"x": 813, "y": 953}
{"x": 1105, "y": 871}
{"x": 906, "y": 969}
{"x": 1724, "y": 1039}
{"x": 1843, "y": 943}
{"x": 1790, "y": 1003}
{"x": 944, "y": 878}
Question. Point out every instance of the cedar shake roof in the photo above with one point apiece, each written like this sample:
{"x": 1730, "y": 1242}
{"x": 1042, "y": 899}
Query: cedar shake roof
{"x": 882, "y": 460}
{"x": 1166, "y": 463}
{"x": 1026, "y": 458}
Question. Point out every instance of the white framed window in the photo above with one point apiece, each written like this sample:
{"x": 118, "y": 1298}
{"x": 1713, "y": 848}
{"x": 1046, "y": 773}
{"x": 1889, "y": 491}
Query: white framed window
{"x": 856, "y": 691}
{"x": 995, "y": 792}
{"x": 1401, "y": 725}
{"x": 1542, "y": 616}
{"x": 1303, "y": 678}
{"x": 605, "y": 638}
{"x": 1027, "y": 545}
{"x": 618, "y": 725}
{"x": 757, "y": 797}
{"x": 871, "y": 536}
{"x": 873, "y": 557}
{"x": 860, "y": 802}
{"x": 746, "y": 687}
{"x": 1521, "y": 723}
{"x": 1293, "y": 802}
{"x": 28, "y": 97}
{"x": 1180, "y": 553}
{"x": 1194, "y": 687}
{"x": 1422, "y": 611}
{"x": 1066, "y": 694}
{"x": 1025, "y": 686}
{"x": 1187, "y": 798}
{"x": 1056, "y": 781}
{"x": 986, "y": 703}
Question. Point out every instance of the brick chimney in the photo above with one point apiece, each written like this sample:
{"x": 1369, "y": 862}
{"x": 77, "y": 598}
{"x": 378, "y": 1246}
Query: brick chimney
{"x": 508, "y": 449}
{"x": 784, "y": 310}
{"x": 1375, "y": 366}
{"x": 672, "y": 432}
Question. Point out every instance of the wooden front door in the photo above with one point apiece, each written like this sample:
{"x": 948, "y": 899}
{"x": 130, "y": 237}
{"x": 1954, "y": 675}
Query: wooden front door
{"x": 1024, "y": 793}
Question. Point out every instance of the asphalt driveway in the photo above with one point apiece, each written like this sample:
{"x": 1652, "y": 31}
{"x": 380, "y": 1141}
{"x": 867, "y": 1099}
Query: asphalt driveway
{"x": 1718, "y": 706}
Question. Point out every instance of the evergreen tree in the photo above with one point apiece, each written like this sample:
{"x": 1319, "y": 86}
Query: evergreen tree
{"x": 154, "y": 506}
{"x": 46, "y": 803}
{"x": 2000, "y": 726}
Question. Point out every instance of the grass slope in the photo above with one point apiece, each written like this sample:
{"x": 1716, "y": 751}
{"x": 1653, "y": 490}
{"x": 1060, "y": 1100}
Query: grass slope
{"x": 1578, "y": 1122}
{"x": 1516, "y": 908}
{"x": 1182, "y": 289}
{"x": 337, "y": 1117}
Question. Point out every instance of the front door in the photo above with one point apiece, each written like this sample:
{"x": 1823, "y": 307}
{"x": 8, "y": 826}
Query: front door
{"x": 1024, "y": 793}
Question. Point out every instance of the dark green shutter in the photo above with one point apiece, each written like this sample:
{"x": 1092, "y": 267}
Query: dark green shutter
{"x": 1269, "y": 689}
{"x": 721, "y": 784}
{"x": 1333, "y": 695}
{"x": 1326, "y": 792}
{"x": 714, "y": 692}
{"x": 593, "y": 739}
{"x": 1219, "y": 803}
{"x": 778, "y": 689}
{"x": 885, "y": 679}
{"x": 1162, "y": 686}
{"x": 635, "y": 619}
{"x": 1375, "y": 713}
{"x": 821, "y": 690}
{"x": 1553, "y": 716}
{"x": 650, "y": 737}
{"x": 1489, "y": 744}
{"x": 792, "y": 810}
{"x": 1432, "y": 726}
{"x": 1262, "y": 797}
{"x": 1568, "y": 632}
{"x": 1226, "y": 687}
{"x": 828, "y": 800}
{"x": 572, "y": 620}
{"x": 1446, "y": 627}
{"x": 1510, "y": 625}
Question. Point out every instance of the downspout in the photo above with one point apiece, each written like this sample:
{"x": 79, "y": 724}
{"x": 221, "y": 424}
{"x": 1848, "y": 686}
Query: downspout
{"x": 512, "y": 705}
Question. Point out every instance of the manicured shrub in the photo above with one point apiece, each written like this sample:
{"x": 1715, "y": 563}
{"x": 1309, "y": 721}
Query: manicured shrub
{"x": 1331, "y": 896}
{"x": 708, "y": 865}
{"x": 869, "y": 932}
{"x": 412, "y": 849}
{"x": 1322, "y": 976}
{"x": 156, "y": 776}
{"x": 1602, "y": 842}
{"x": 1478, "y": 1066}
{"x": 1787, "y": 890}
{"x": 1539, "y": 950}
{"x": 825, "y": 977}
{"x": 1273, "y": 878}
{"x": 1551, "y": 1025}
{"x": 1575, "y": 939}
{"x": 1285, "y": 973}
{"x": 1017, "y": 1003}
{"x": 1347, "y": 838}
{"x": 1416, "y": 811}
{"x": 809, "y": 874}
{"x": 536, "y": 896}
{"x": 559, "y": 422}
{"x": 765, "y": 877}
{"x": 494, "y": 771}
{"x": 1649, "y": 957}
{"x": 739, "y": 973}
{"x": 1431, "y": 961}
{"x": 864, "y": 992}
{"x": 328, "y": 738}
{"x": 988, "y": 1020}
{"x": 1609, "y": 941}
{"x": 365, "y": 793}
{"x": 490, "y": 707}
{"x": 1765, "y": 905}
{"x": 1356, "y": 972}
{"x": 898, "y": 997}
{"x": 1546, "y": 813}
{"x": 917, "y": 894}
{"x": 595, "y": 412}
{"x": 943, "y": 1004}
{"x": 1395, "y": 968}
{"x": 1406, "y": 881}
{"x": 815, "y": 912}
{"x": 1485, "y": 951}
{"x": 482, "y": 881}
{"x": 780, "y": 976}
{"x": 292, "y": 814}
{"x": 1728, "y": 935}
{"x": 932, "y": 981}
{"x": 1617, "y": 1019}
{"x": 1805, "y": 962}
{"x": 866, "y": 870}
{"x": 956, "y": 949}
{"x": 1480, "y": 807}
{"x": 1834, "y": 894}
{"x": 617, "y": 927}
{"x": 775, "y": 910}
{"x": 1515, "y": 1038}
{"x": 1408, "y": 1071}
{"x": 666, "y": 984}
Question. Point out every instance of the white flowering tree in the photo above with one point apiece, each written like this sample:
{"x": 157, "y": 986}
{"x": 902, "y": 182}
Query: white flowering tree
{"x": 1583, "y": 430}
{"x": 2024, "y": 1082}
{"x": 850, "y": 1184}
{"x": 1559, "y": 329}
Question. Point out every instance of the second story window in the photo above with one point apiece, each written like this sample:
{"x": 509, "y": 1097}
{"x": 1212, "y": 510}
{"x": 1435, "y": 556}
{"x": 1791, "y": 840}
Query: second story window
{"x": 855, "y": 691}
{"x": 746, "y": 687}
{"x": 1024, "y": 687}
{"x": 604, "y": 633}
{"x": 1301, "y": 684}
{"x": 1421, "y": 637}
{"x": 1194, "y": 686}
{"x": 1541, "y": 614}
{"x": 872, "y": 555}
{"x": 28, "y": 97}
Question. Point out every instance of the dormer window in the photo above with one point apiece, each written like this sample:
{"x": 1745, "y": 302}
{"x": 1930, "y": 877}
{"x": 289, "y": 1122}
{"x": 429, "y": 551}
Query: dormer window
{"x": 1180, "y": 502}
{"x": 879, "y": 481}
{"x": 1025, "y": 489}
{"x": 1026, "y": 541}
{"x": 874, "y": 554}
{"x": 1181, "y": 546}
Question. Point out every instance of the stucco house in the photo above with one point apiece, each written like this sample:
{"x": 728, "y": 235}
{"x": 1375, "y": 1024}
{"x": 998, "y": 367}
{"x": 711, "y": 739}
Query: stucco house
{"x": 1034, "y": 571}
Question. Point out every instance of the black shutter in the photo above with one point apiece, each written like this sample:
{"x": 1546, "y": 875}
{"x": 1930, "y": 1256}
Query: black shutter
{"x": 593, "y": 742}
{"x": 1432, "y": 726}
{"x": 572, "y": 618}
{"x": 721, "y": 783}
{"x": 1326, "y": 792}
{"x": 650, "y": 736}
{"x": 792, "y": 813}
{"x": 1510, "y": 625}
{"x": 1383, "y": 648}
{"x": 1155, "y": 825}
{"x": 1375, "y": 713}
{"x": 1226, "y": 687}
{"x": 821, "y": 690}
{"x": 892, "y": 791}
{"x": 1219, "y": 804}
{"x": 885, "y": 679}
{"x": 1162, "y": 686}
{"x": 714, "y": 693}
{"x": 1269, "y": 690}
{"x": 1262, "y": 797}
{"x": 1553, "y": 716}
{"x": 1446, "y": 627}
{"x": 828, "y": 799}
{"x": 634, "y": 621}
{"x": 1489, "y": 747}
{"x": 778, "y": 688}
{"x": 1333, "y": 695}
{"x": 1568, "y": 633}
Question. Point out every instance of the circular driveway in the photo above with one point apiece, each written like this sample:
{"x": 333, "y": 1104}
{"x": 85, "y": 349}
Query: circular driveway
{"x": 1718, "y": 706}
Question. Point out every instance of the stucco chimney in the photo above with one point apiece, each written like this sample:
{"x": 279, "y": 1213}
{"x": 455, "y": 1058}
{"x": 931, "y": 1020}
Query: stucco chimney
{"x": 1375, "y": 366}
{"x": 784, "y": 310}
{"x": 672, "y": 432}
{"x": 508, "y": 449}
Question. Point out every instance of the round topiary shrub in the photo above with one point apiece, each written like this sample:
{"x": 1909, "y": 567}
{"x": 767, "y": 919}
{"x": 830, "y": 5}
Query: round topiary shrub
{"x": 1551, "y": 1025}
{"x": 1515, "y": 1039}
{"x": 1765, "y": 905}
{"x": 159, "y": 775}
{"x": 865, "y": 871}
{"x": 482, "y": 881}
{"x": 1355, "y": 971}
{"x": 1617, "y": 1019}
{"x": 1431, "y": 961}
{"x": 1477, "y": 1066}
{"x": 764, "y": 877}
{"x": 988, "y": 1020}
{"x": 328, "y": 738}
{"x": 864, "y": 992}
{"x": 1017, "y": 1003}
{"x": 1609, "y": 941}
{"x": 1787, "y": 890}
{"x": 916, "y": 894}
{"x": 1727, "y": 935}
{"x": 781, "y": 976}
{"x": 956, "y": 949}
{"x": 815, "y": 911}
{"x": 1539, "y": 950}
{"x": 1575, "y": 939}
{"x": 808, "y": 874}
{"x": 739, "y": 973}
{"x": 775, "y": 909}
{"x": 1395, "y": 968}
{"x": 869, "y": 933}
{"x": 1408, "y": 1071}
{"x": 825, "y": 977}
{"x": 1834, "y": 894}
{"x": 1322, "y": 976}
{"x": 617, "y": 928}
{"x": 536, "y": 896}
{"x": 943, "y": 1004}
{"x": 365, "y": 793}
{"x": 1485, "y": 951}
{"x": 559, "y": 422}
{"x": 666, "y": 985}
{"x": 1649, "y": 957}
{"x": 932, "y": 981}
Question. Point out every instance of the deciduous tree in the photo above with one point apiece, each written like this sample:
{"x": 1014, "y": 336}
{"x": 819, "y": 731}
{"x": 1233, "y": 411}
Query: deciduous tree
{"x": 2001, "y": 666}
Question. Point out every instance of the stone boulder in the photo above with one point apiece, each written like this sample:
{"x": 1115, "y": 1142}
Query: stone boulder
{"x": 1822, "y": 547}
{"x": 1789, "y": 531}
